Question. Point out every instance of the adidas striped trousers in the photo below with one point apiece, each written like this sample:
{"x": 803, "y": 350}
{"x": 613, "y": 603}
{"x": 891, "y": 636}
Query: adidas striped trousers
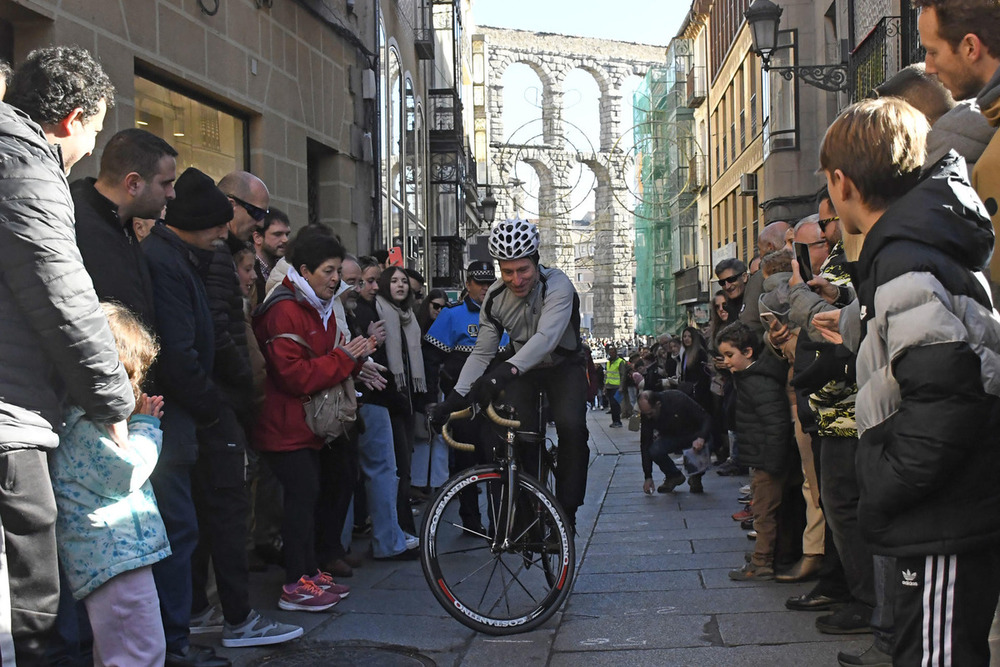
{"x": 944, "y": 608}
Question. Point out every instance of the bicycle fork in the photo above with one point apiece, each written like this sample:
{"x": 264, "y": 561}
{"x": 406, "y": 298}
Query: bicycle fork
{"x": 512, "y": 472}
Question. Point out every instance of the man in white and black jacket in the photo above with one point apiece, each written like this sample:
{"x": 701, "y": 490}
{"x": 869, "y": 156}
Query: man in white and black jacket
{"x": 928, "y": 375}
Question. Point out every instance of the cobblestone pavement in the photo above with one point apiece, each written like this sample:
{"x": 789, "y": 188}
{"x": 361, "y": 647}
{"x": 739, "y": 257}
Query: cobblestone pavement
{"x": 651, "y": 589}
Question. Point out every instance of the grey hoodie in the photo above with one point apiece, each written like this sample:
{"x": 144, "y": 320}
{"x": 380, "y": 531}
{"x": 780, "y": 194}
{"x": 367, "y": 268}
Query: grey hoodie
{"x": 964, "y": 129}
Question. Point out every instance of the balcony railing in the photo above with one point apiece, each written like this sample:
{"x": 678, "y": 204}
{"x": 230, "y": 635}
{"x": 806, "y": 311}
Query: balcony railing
{"x": 423, "y": 43}
{"x": 890, "y": 46}
{"x": 697, "y": 175}
{"x": 696, "y": 91}
{"x": 445, "y": 119}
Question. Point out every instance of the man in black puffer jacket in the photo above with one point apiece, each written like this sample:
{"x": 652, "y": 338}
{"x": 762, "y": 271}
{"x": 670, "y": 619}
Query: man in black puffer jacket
{"x": 928, "y": 375}
{"x": 55, "y": 344}
{"x": 136, "y": 181}
{"x": 764, "y": 432}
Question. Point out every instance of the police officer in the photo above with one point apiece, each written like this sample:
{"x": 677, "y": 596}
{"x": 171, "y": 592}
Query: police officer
{"x": 447, "y": 344}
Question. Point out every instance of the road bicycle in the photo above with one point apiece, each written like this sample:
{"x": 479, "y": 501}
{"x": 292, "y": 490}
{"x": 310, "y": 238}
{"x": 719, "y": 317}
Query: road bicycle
{"x": 513, "y": 570}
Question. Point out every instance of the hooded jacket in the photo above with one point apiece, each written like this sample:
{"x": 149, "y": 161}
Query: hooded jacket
{"x": 964, "y": 130}
{"x": 929, "y": 373}
{"x": 108, "y": 521}
{"x": 763, "y": 416}
{"x": 986, "y": 175}
{"x": 54, "y": 337}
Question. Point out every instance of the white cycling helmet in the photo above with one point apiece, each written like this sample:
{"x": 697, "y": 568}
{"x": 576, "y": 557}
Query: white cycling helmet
{"x": 513, "y": 239}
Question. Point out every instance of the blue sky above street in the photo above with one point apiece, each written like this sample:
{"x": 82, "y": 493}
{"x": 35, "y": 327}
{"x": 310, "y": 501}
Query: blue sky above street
{"x": 644, "y": 21}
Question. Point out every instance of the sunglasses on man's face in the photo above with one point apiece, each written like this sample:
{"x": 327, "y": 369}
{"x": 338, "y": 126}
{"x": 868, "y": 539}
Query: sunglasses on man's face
{"x": 255, "y": 212}
{"x": 826, "y": 221}
{"x": 730, "y": 280}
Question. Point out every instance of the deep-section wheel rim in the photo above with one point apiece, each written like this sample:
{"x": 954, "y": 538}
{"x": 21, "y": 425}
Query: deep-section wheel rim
{"x": 481, "y": 583}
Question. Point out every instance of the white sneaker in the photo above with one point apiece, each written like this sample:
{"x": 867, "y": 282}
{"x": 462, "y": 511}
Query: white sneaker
{"x": 210, "y": 620}
{"x": 412, "y": 541}
{"x": 745, "y": 489}
{"x": 258, "y": 631}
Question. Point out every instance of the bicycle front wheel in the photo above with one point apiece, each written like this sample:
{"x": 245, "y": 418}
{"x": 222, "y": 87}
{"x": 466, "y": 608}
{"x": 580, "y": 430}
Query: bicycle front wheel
{"x": 488, "y": 582}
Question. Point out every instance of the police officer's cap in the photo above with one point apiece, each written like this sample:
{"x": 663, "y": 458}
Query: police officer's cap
{"x": 481, "y": 272}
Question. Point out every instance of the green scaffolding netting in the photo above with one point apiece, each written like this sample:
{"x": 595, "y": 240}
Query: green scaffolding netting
{"x": 665, "y": 212}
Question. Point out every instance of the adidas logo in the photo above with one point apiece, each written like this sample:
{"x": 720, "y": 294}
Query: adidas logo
{"x": 910, "y": 578}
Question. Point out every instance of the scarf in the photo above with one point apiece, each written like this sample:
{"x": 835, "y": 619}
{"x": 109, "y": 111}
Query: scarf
{"x": 401, "y": 326}
{"x": 324, "y": 308}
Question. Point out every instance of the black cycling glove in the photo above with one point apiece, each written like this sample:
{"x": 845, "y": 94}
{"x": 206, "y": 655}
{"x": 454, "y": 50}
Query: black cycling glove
{"x": 453, "y": 402}
{"x": 489, "y": 386}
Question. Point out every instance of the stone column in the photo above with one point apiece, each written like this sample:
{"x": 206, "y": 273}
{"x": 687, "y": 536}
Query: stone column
{"x": 614, "y": 313}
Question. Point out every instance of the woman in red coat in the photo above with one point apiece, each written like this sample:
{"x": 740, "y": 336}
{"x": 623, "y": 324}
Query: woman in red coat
{"x": 302, "y": 305}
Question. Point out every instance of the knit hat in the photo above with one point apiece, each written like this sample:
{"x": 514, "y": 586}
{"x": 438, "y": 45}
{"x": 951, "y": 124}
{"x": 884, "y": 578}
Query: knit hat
{"x": 199, "y": 204}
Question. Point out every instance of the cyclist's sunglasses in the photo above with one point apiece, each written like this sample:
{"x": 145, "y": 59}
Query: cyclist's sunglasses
{"x": 255, "y": 212}
{"x": 730, "y": 280}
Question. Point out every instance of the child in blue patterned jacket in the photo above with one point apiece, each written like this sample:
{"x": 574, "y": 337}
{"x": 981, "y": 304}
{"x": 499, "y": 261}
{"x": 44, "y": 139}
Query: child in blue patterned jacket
{"x": 109, "y": 531}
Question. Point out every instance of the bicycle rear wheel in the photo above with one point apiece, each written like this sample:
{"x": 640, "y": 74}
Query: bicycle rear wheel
{"x": 486, "y": 585}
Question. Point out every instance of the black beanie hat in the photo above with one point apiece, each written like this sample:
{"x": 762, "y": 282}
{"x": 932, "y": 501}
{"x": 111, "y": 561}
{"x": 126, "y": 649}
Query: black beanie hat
{"x": 198, "y": 203}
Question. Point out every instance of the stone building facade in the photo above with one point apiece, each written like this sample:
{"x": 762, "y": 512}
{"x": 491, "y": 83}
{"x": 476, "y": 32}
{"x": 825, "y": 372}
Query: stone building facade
{"x": 552, "y": 58}
{"x": 317, "y": 97}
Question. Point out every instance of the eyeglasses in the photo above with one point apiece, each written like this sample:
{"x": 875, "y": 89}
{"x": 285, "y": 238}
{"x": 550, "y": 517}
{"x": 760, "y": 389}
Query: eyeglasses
{"x": 436, "y": 306}
{"x": 731, "y": 279}
{"x": 819, "y": 242}
{"x": 255, "y": 212}
{"x": 826, "y": 221}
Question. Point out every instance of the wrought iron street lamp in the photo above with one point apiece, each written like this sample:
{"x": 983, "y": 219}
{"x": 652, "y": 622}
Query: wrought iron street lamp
{"x": 764, "y": 16}
{"x": 489, "y": 206}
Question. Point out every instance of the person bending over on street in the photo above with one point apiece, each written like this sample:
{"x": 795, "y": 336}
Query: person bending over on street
{"x": 681, "y": 424}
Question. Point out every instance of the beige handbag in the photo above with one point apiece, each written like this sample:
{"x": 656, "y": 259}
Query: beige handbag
{"x": 328, "y": 411}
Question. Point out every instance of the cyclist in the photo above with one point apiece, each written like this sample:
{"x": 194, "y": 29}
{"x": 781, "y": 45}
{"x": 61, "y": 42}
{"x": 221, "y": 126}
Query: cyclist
{"x": 539, "y": 309}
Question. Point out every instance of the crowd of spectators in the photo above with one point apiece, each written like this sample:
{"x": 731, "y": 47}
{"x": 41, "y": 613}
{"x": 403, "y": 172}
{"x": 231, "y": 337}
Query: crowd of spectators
{"x": 166, "y": 339}
{"x": 853, "y": 368}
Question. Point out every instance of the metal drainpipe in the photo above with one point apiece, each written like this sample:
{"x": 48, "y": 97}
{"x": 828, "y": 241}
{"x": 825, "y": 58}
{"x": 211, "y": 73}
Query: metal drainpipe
{"x": 376, "y": 237}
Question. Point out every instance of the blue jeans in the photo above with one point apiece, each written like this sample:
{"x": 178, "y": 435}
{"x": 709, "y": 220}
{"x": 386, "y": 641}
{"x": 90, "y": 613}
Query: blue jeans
{"x": 377, "y": 459}
{"x": 661, "y": 449}
{"x": 172, "y": 486}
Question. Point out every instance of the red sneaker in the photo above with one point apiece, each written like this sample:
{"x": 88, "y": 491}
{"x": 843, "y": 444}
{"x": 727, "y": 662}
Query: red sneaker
{"x": 304, "y": 595}
{"x": 325, "y": 581}
{"x": 744, "y": 514}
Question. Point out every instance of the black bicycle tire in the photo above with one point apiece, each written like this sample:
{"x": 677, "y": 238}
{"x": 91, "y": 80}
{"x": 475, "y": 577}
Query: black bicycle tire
{"x": 552, "y": 602}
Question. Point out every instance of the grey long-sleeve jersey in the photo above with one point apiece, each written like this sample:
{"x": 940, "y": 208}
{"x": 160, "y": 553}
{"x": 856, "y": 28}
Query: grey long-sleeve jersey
{"x": 541, "y": 325}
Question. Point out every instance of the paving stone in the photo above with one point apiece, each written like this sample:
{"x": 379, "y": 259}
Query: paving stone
{"x": 778, "y": 627}
{"x": 524, "y": 650}
{"x": 637, "y": 581}
{"x": 792, "y": 655}
{"x": 422, "y": 633}
{"x": 616, "y": 632}
{"x": 640, "y": 604}
{"x": 655, "y": 563}
{"x": 639, "y": 548}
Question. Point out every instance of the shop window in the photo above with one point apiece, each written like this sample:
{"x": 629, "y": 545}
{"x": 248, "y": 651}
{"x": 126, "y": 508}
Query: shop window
{"x": 205, "y": 136}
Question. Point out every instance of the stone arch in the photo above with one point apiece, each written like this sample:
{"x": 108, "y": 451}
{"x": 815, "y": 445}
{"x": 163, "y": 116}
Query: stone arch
{"x": 553, "y": 57}
{"x": 498, "y": 64}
